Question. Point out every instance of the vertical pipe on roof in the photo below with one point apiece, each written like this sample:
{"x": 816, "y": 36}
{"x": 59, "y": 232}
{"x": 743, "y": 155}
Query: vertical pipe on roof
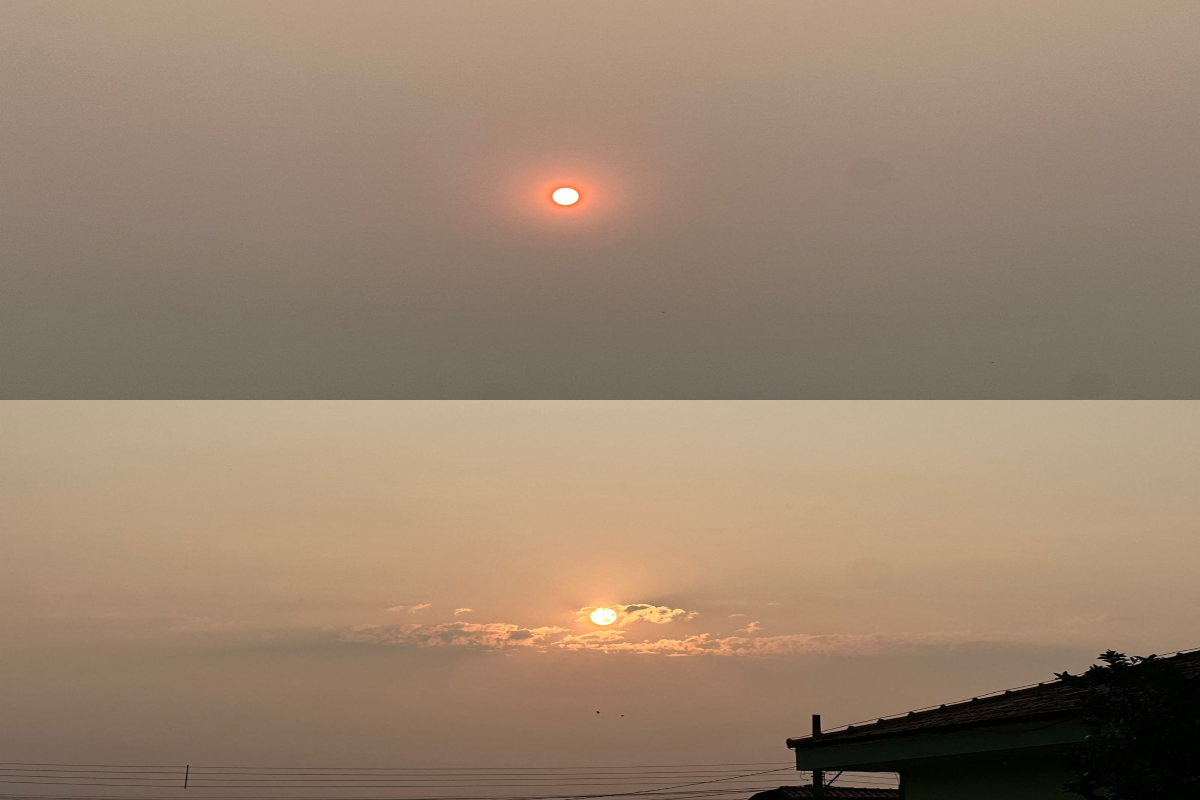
{"x": 818, "y": 780}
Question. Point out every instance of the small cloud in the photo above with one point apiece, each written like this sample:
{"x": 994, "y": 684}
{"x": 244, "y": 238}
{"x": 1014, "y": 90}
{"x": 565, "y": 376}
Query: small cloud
{"x": 641, "y": 612}
{"x": 734, "y": 616}
{"x": 753, "y": 627}
{"x": 415, "y": 609}
{"x": 590, "y": 641}
{"x": 773, "y": 603}
{"x": 478, "y": 635}
{"x": 458, "y": 612}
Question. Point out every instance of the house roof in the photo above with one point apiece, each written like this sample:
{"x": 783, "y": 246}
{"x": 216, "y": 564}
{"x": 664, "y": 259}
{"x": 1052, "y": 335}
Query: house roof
{"x": 1044, "y": 701}
{"x": 831, "y": 793}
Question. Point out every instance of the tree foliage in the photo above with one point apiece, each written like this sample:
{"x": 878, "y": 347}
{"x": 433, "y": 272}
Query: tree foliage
{"x": 1143, "y": 718}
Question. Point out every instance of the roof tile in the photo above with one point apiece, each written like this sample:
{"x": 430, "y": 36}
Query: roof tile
{"x": 1045, "y": 700}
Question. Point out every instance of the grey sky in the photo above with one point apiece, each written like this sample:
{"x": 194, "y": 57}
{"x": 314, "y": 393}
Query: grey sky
{"x": 400, "y": 583}
{"x": 788, "y": 199}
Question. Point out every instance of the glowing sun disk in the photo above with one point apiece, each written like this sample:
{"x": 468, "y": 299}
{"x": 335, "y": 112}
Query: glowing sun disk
{"x": 603, "y": 616}
{"x": 565, "y": 196}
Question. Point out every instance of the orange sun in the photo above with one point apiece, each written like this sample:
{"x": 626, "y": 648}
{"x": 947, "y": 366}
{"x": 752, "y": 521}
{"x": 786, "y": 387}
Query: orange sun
{"x": 565, "y": 196}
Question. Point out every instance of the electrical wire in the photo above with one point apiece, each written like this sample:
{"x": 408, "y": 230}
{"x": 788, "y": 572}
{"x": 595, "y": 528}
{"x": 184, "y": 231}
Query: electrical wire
{"x": 411, "y": 783}
{"x": 199, "y": 781}
{"x": 410, "y": 771}
{"x": 651, "y": 776}
{"x": 393, "y": 769}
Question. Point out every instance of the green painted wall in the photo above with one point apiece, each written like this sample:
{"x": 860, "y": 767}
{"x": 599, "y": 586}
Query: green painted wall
{"x": 1025, "y": 777}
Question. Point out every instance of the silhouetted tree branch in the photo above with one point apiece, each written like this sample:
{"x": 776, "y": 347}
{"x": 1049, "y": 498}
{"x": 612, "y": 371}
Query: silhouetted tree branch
{"x": 1143, "y": 718}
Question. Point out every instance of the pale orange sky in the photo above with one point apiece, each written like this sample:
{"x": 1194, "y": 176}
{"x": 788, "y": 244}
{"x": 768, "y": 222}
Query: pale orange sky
{"x": 265, "y": 583}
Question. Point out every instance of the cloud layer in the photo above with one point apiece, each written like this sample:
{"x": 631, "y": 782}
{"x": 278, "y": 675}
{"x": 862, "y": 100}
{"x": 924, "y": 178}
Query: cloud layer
{"x": 620, "y": 638}
{"x": 705, "y": 644}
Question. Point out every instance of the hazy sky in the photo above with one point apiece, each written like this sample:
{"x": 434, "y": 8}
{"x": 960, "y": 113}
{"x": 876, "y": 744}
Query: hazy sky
{"x": 390, "y": 583}
{"x": 284, "y": 198}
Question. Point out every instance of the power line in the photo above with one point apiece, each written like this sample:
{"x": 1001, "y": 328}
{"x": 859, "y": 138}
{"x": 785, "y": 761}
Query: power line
{"x": 719, "y": 790}
{"x": 156, "y": 776}
{"x": 353, "y": 785}
{"x": 694, "y": 792}
{"x": 396, "y": 769}
{"x": 662, "y": 792}
{"x": 114, "y": 778}
{"x": 405, "y": 778}
{"x": 409, "y": 778}
{"x": 282, "y": 781}
{"x": 221, "y": 778}
{"x": 710, "y": 794}
{"x": 697, "y": 783}
{"x": 675, "y": 795}
{"x": 402, "y": 770}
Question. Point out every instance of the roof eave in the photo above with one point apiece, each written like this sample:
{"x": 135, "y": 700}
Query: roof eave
{"x": 833, "y": 739}
{"x": 897, "y": 753}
